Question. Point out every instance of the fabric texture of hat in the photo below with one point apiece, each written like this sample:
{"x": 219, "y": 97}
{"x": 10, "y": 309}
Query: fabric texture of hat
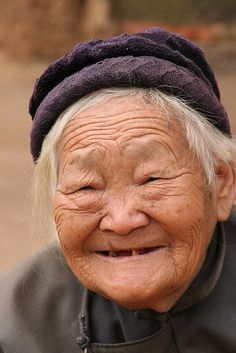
{"x": 154, "y": 58}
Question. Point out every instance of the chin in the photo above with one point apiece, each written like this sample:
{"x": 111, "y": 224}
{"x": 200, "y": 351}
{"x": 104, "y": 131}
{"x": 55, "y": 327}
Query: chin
{"x": 138, "y": 303}
{"x": 137, "y": 299}
{"x": 134, "y": 286}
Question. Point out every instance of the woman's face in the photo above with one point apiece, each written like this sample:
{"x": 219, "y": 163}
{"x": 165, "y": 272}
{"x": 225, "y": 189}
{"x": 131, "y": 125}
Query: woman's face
{"x": 133, "y": 215}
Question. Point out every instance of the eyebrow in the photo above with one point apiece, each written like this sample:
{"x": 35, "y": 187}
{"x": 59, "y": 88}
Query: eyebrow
{"x": 84, "y": 157}
{"x": 143, "y": 148}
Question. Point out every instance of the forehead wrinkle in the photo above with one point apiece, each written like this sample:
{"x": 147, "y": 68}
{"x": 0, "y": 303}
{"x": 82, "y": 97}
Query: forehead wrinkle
{"x": 146, "y": 149}
{"x": 75, "y": 135}
{"x": 122, "y": 143}
{"x": 136, "y": 133}
{"x": 104, "y": 118}
{"x": 103, "y": 121}
{"x": 82, "y": 157}
{"x": 78, "y": 134}
{"x": 105, "y": 113}
{"x": 101, "y": 124}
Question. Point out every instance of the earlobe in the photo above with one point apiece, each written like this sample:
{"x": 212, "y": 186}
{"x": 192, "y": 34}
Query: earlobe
{"x": 225, "y": 189}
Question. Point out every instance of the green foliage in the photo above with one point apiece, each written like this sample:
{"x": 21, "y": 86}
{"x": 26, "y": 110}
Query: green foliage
{"x": 176, "y": 11}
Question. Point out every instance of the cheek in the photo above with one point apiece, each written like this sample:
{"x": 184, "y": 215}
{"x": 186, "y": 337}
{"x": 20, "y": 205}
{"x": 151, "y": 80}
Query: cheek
{"x": 178, "y": 211}
{"x": 74, "y": 225}
{"x": 193, "y": 232}
{"x": 185, "y": 214}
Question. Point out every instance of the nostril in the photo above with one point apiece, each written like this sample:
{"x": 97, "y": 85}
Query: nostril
{"x": 124, "y": 223}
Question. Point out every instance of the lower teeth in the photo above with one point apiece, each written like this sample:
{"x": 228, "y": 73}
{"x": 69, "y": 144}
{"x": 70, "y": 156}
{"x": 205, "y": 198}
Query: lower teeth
{"x": 129, "y": 252}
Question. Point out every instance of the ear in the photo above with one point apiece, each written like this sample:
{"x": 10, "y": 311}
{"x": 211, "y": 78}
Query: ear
{"x": 225, "y": 188}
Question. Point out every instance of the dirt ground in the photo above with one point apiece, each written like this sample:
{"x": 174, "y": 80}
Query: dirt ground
{"x": 16, "y": 82}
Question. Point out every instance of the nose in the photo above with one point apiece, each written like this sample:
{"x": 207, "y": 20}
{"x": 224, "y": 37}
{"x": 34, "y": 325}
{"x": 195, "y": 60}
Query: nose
{"x": 122, "y": 219}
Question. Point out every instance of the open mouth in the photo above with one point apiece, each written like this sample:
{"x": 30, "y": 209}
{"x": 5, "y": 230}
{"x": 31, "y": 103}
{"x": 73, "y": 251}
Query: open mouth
{"x": 123, "y": 253}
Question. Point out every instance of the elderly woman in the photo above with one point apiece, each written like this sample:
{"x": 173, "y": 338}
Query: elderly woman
{"x": 135, "y": 177}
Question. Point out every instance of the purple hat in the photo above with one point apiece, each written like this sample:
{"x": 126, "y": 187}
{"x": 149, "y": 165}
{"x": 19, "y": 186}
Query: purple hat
{"x": 154, "y": 58}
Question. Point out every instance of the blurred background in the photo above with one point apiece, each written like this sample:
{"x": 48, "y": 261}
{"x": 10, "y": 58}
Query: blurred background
{"x": 34, "y": 32}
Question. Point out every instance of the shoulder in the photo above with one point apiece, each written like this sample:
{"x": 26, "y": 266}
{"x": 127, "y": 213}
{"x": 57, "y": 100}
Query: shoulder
{"x": 34, "y": 298}
{"x": 44, "y": 274}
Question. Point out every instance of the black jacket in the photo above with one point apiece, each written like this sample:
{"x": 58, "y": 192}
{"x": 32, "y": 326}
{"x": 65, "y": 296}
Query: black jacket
{"x": 44, "y": 309}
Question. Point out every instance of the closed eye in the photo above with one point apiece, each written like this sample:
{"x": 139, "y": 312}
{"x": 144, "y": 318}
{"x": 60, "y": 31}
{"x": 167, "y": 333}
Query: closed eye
{"x": 87, "y": 187}
{"x": 151, "y": 179}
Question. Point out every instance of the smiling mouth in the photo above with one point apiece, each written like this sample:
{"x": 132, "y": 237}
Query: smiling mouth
{"x": 124, "y": 253}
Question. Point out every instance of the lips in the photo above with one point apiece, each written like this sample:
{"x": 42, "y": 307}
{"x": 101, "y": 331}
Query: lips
{"x": 123, "y": 253}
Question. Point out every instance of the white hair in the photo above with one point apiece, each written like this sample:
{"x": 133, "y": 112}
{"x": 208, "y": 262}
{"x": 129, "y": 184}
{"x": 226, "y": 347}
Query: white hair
{"x": 208, "y": 143}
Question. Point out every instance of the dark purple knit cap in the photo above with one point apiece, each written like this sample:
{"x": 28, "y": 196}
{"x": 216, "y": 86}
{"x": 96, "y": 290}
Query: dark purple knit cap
{"x": 154, "y": 58}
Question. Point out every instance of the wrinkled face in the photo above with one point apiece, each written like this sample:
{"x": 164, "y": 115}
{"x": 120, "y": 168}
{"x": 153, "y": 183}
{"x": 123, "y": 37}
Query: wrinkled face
{"x": 133, "y": 215}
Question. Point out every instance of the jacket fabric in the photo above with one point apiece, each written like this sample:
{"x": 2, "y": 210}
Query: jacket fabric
{"x": 44, "y": 309}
